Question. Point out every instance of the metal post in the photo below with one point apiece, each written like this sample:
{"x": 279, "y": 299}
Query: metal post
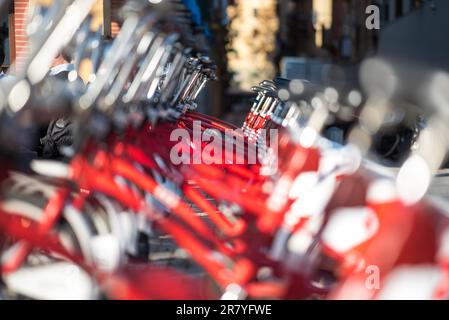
{"x": 107, "y": 29}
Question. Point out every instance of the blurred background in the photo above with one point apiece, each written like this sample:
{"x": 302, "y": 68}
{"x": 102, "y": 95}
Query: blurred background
{"x": 323, "y": 41}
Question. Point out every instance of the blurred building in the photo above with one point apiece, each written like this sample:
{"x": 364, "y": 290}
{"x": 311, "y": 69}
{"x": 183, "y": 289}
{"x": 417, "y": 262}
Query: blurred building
{"x": 6, "y": 45}
{"x": 349, "y": 34}
{"x": 252, "y": 35}
{"x": 14, "y": 25}
{"x": 335, "y": 29}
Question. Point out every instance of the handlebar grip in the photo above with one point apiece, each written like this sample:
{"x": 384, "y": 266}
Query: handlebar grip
{"x": 97, "y": 14}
